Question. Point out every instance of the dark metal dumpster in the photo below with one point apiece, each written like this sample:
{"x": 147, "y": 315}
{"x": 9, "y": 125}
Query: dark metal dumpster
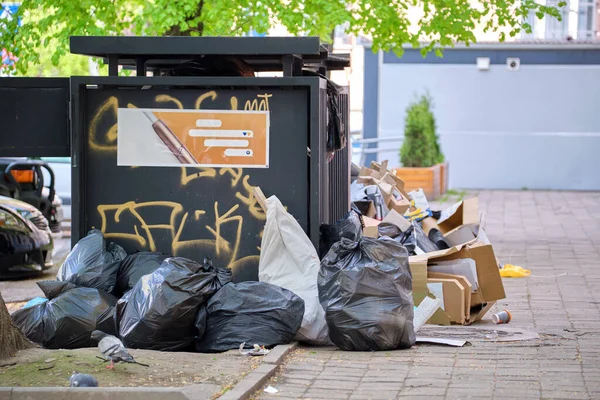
{"x": 209, "y": 210}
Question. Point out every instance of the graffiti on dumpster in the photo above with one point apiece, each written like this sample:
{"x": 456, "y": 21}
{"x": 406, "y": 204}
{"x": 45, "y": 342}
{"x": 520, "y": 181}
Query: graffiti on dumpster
{"x": 208, "y": 228}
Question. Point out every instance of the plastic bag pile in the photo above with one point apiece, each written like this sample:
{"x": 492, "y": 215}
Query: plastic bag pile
{"x": 153, "y": 301}
{"x": 358, "y": 297}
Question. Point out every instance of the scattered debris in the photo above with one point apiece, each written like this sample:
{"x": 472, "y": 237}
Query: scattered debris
{"x": 271, "y": 390}
{"x": 255, "y": 351}
{"x": 503, "y": 317}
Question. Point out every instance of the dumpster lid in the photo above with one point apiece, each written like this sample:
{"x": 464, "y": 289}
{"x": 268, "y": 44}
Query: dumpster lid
{"x": 158, "y": 52}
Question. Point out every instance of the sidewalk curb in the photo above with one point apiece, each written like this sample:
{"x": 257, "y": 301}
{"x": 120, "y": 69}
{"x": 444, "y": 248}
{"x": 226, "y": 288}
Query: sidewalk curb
{"x": 255, "y": 379}
{"x": 242, "y": 390}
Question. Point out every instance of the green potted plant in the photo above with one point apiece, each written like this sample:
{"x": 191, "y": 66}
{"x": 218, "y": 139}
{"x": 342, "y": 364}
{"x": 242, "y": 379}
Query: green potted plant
{"x": 423, "y": 164}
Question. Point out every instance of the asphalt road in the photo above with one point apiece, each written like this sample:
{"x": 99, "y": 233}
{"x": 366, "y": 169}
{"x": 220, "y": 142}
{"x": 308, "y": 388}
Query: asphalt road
{"x": 26, "y": 289}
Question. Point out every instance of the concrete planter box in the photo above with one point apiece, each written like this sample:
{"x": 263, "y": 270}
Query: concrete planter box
{"x": 429, "y": 179}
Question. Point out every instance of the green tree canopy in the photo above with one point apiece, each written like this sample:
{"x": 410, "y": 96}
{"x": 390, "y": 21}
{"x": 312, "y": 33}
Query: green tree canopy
{"x": 388, "y": 23}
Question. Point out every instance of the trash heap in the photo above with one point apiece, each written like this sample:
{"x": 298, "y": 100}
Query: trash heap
{"x": 157, "y": 302}
{"x": 451, "y": 258}
{"x": 359, "y": 290}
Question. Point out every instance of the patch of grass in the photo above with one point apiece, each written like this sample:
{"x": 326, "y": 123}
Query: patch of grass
{"x": 524, "y": 188}
{"x": 59, "y": 369}
{"x": 452, "y": 194}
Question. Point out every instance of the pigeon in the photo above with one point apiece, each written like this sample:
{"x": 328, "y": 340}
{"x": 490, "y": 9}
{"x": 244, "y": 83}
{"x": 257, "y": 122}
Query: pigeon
{"x": 82, "y": 380}
{"x": 112, "y": 349}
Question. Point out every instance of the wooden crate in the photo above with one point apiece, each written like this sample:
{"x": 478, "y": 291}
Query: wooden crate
{"x": 444, "y": 177}
{"x": 428, "y": 179}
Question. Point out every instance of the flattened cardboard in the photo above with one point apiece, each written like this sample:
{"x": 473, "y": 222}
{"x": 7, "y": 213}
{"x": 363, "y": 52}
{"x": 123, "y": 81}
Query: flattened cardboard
{"x": 397, "y": 219}
{"x": 467, "y": 212}
{"x": 488, "y": 274}
{"x": 478, "y": 314}
{"x": 425, "y": 311}
{"x": 367, "y": 180}
{"x": 463, "y": 281}
{"x": 463, "y": 266}
{"x": 461, "y": 235}
{"x": 490, "y": 282}
{"x": 454, "y": 299}
{"x": 444, "y": 341}
{"x": 418, "y": 270}
{"x": 368, "y": 172}
{"x": 440, "y": 318}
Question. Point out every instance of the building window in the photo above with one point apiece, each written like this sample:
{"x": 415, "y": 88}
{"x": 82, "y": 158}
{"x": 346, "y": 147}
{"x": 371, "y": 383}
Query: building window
{"x": 556, "y": 29}
{"x": 586, "y": 28}
{"x": 531, "y": 19}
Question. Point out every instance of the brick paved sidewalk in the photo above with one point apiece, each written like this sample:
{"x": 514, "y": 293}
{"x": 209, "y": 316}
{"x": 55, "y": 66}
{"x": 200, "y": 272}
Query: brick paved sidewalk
{"x": 554, "y": 234}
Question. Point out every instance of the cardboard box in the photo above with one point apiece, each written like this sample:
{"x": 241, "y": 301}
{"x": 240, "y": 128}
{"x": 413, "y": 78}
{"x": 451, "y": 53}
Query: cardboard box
{"x": 462, "y": 235}
{"x": 465, "y": 212}
{"x": 371, "y": 225}
{"x": 382, "y": 171}
{"x": 490, "y": 284}
{"x": 453, "y": 295}
{"x": 367, "y": 208}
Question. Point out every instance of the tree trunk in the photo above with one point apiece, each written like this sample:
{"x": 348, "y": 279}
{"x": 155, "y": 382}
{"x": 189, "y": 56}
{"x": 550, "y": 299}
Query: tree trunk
{"x": 175, "y": 30}
{"x": 11, "y": 338}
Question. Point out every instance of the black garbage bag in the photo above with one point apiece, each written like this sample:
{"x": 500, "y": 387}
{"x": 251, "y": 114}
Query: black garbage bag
{"x": 365, "y": 289}
{"x": 68, "y": 318}
{"x": 93, "y": 263}
{"x": 134, "y": 266}
{"x": 160, "y": 312}
{"x": 390, "y": 230}
{"x": 251, "y": 312}
{"x": 336, "y": 131}
{"x": 416, "y": 241}
{"x": 349, "y": 227}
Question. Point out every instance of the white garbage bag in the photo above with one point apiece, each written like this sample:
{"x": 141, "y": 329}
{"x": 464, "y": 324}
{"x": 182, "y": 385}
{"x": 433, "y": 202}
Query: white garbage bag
{"x": 289, "y": 260}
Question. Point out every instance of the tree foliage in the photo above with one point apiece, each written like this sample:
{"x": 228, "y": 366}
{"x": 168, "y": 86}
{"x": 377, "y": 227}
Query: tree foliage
{"x": 421, "y": 143}
{"x": 389, "y": 23}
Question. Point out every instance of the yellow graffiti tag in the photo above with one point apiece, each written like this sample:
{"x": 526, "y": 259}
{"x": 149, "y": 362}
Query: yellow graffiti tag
{"x": 165, "y": 98}
{"x": 220, "y": 243}
{"x": 111, "y": 104}
{"x": 134, "y": 208}
{"x": 202, "y": 173}
{"x": 255, "y": 105}
{"x": 254, "y": 207}
{"x": 205, "y": 96}
{"x": 236, "y": 173}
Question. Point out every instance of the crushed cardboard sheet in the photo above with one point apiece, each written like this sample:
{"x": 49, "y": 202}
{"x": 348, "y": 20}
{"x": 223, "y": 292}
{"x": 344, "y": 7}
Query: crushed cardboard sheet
{"x": 478, "y": 333}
